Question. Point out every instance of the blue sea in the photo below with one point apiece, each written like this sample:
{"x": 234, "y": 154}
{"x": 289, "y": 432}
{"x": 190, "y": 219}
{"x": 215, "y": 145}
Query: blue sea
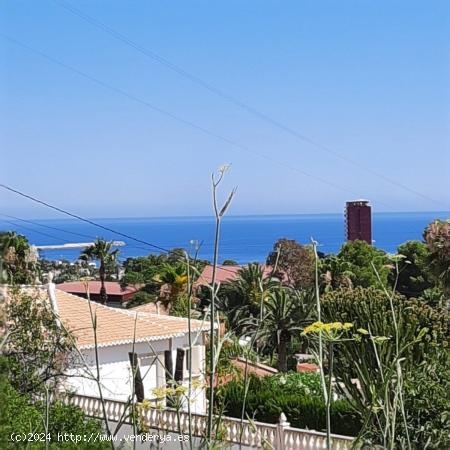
{"x": 243, "y": 238}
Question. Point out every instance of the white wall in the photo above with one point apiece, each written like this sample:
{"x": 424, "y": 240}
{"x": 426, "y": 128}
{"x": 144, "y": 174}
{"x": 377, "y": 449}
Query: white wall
{"x": 116, "y": 375}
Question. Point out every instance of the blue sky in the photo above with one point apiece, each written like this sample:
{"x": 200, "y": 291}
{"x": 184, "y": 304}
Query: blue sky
{"x": 367, "y": 79}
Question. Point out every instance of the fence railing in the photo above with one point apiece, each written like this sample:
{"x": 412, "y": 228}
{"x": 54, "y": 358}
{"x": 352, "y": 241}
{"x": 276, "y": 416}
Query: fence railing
{"x": 279, "y": 436}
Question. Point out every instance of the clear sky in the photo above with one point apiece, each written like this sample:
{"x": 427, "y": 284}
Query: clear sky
{"x": 367, "y": 79}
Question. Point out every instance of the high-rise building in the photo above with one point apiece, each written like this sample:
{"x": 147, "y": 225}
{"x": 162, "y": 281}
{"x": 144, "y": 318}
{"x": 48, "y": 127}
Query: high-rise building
{"x": 358, "y": 221}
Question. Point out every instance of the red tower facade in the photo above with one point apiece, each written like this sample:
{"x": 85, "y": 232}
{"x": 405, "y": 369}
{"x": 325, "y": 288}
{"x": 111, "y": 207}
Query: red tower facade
{"x": 358, "y": 221}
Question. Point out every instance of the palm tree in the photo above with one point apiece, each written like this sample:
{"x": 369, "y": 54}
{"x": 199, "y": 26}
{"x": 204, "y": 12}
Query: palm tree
{"x": 252, "y": 285}
{"x": 101, "y": 251}
{"x": 284, "y": 314}
{"x": 245, "y": 296}
{"x": 173, "y": 280}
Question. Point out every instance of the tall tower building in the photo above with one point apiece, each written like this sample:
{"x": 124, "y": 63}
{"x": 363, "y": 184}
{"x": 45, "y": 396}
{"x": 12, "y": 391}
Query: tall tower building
{"x": 358, "y": 221}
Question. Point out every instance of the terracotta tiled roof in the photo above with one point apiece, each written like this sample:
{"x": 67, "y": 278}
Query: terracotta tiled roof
{"x": 225, "y": 274}
{"x": 259, "y": 369}
{"x": 112, "y": 287}
{"x": 307, "y": 367}
{"x": 114, "y": 326}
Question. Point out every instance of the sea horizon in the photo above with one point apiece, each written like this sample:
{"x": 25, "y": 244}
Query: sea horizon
{"x": 244, "y": 238}
{"x": 206, "y": 216}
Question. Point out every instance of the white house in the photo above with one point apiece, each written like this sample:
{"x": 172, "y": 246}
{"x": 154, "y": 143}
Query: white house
{"x": 157, "y": 345}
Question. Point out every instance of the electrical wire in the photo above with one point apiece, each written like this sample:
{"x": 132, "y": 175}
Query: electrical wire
{"x": 232, "y": 99}
{"x": 178, "y": 118}
{"x": 91, "y": 222}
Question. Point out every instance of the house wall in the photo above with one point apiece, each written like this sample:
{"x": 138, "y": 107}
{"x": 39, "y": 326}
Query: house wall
{"x": 116, "y": 374}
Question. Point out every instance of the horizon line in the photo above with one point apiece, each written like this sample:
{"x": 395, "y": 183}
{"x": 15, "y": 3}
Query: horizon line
{"x": 238, "y": 215}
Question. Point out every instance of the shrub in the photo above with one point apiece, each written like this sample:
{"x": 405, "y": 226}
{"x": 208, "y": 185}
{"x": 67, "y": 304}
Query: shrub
{"x": 423, "y": 339}
{"x": 268, "y": 397}
{"x": 19, "y": 415}
{"x": 34, "y": 359}
{"x": 141, "y": 298}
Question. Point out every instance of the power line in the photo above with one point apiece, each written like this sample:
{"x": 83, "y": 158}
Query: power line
{"x": 56, "y": 238}
{"x": 91, "y": 222}
{"x": 47, "y": 226}
{"x": 177, "y": 118}
{"x": 76, "y": 216}
{"x": 232, "y": 99}
{"x": 35, "y": 231}
{"x": 61, "y": 229}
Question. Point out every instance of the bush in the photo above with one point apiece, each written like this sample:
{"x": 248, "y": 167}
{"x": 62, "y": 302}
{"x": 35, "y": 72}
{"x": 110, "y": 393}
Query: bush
{"x": 424, "y": 334}
{"x": 141, "y": 298}
{"x": 296, "y": 395}
{"x": 19, "y": 415}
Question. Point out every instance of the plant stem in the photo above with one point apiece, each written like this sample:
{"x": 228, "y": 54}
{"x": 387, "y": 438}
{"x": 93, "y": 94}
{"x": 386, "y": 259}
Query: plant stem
{"x": 212, "y": 324}
{"x": 330, "y": 396}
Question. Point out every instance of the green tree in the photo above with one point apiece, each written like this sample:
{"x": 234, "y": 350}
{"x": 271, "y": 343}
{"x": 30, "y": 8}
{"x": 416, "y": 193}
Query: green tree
{"x": 37, "y": 349}
{"x": 413, "y": 276}
{"x": 336, "y": 273}
{"x": 363, "y": 261}
{"x": 252, "y": 286}
{"x": 141, "y": 298}
{"x": 245, "y": 296}
{"x": 102, "y": 251}
{"x": 173, "y": 281}
{"x": 18, "y": 260}
{"x": 437, "y": 238}
{"x": 230, "y": 262}
{"x": 295, "y": 263}
{"x": 284, "y": 313}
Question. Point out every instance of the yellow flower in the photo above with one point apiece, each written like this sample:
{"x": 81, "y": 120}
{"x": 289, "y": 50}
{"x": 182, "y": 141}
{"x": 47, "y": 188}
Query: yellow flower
{"x": 197, "y": 384}
{"x": 318, "y": 327}
{"x": 159, "y": 392}
{"x": 145, "y": 404}
{"x": 181, "y": 279}
{"x": 180, "y": 390}
{"x": 170, "y": 391}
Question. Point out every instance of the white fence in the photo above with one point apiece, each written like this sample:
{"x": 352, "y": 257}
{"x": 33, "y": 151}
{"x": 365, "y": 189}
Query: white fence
{"x": 251, "y": 434}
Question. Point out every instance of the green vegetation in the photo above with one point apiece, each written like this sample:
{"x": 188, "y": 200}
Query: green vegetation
{"x": 33, "y": 359}
{"x": 356, "y": 261}
{"x": 35, "y": 353}
{"x": 20, "y": 415}
{"x": 437, "y": 238}
{"x": 281, "y": 318}
{"x": 294, "y": 262}
{"x": 413, "y": 276}
{"x": 296, "y": 395}
{"x": 18, "y": 261}
{"x": 391, "y": 366}
{"x": 102, "y": 252}
{"x": 421, "y": 365}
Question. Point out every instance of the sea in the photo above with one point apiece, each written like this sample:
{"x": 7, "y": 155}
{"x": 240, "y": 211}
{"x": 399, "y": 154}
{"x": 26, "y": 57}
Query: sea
{"x": 243, "y": 239}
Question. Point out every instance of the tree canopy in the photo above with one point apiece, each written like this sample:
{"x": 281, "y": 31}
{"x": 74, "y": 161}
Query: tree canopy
{"x": 363, "y": 261}
{"x": 413, "y": 276}
{"x": 294, "y": 261}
